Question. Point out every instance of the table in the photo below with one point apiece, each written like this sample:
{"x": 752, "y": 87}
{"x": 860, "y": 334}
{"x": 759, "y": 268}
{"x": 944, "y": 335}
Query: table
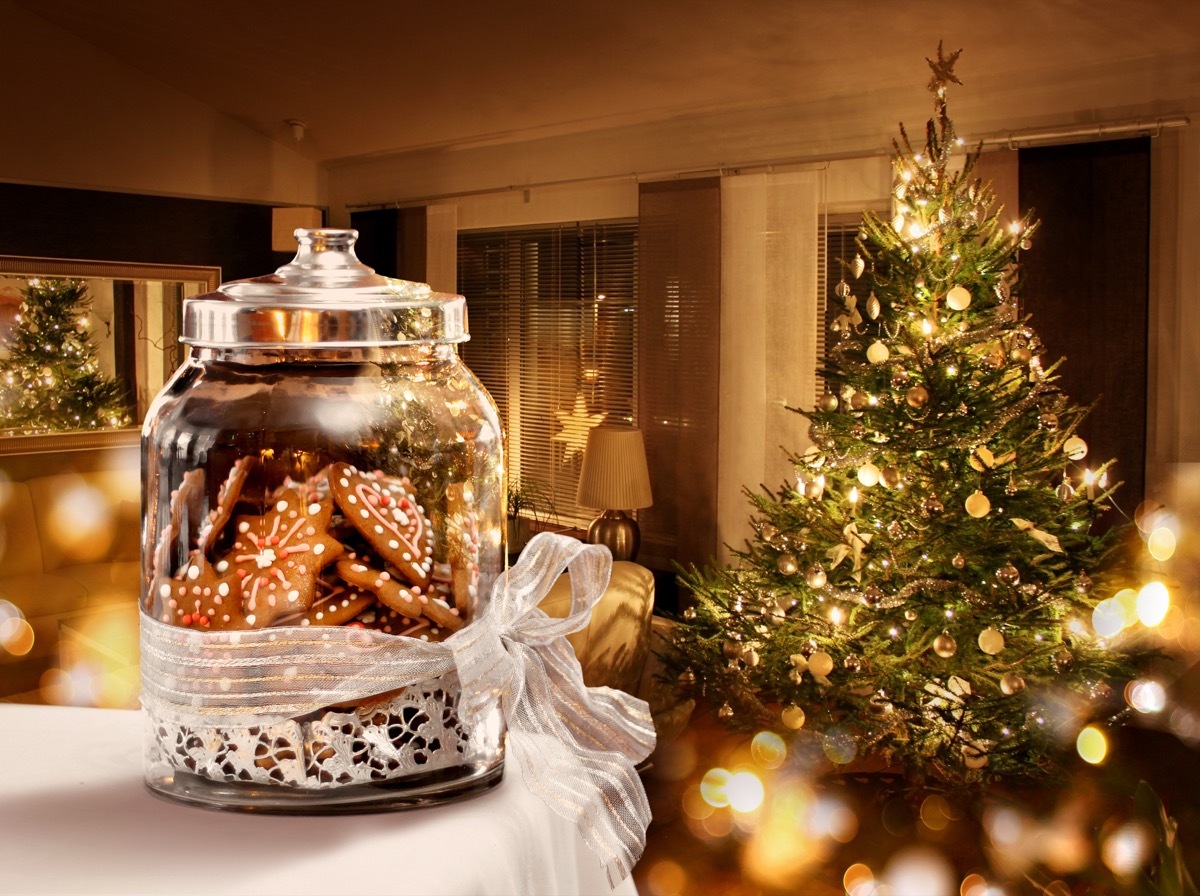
{"x": 78, "y": 820}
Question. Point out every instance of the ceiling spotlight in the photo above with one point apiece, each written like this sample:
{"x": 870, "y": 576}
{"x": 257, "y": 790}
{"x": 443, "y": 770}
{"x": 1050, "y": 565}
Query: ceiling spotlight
{"x": 298, "y": 127}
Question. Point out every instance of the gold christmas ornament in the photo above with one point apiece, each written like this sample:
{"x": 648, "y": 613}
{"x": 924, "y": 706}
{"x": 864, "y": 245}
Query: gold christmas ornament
{"x": 1048, "y": 422}
{"x": 858, "y": 266}
{"x": 793, "y": 716}
{"x": 958, "y": 298}
{"x": 917, "y": 396}
{"x": 1021, "y": 355}
{"x": 1009, "y": 575}
{"x": 859, "y": 401}
{"x": 877, "y": 352}
{"x": 787, "y": 564}
{"x": 945, "y": 646}
{"x": 991, "y": 641}
{"x": 1011, "y": 683}
{"x": 959, "y": 561}
{"x": 687, "y": 680}
{"x": 868, "y": 475}
{"x": 873, "y": 306}
{"x": 725, "y": 712}
{"x": 978, "y": 505}
{"x": 890, "y": 477}
{"x": 932, "y": 506}
{"x": 768, "y": 532}
{"x": 828, "y": 402}
{"x": 1075, "y": 448}
{"x": 815, "y": 576}
{"x": 820, "y": 663}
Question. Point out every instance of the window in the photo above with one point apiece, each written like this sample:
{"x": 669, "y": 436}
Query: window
{"x": 553, "y": 320}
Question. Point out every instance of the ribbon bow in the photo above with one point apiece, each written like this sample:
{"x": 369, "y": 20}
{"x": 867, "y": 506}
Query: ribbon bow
{"x": 578, "y": 745}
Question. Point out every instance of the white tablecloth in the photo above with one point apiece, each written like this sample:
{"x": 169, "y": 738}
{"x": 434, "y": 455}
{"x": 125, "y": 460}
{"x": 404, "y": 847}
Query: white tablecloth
{"x": 76, "y": 818}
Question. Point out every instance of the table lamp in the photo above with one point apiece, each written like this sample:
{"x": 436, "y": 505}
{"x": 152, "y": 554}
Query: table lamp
{"x": 614, "y": 479}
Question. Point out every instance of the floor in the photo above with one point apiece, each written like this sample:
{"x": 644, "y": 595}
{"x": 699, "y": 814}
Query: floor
{"x": 873, "y": 835}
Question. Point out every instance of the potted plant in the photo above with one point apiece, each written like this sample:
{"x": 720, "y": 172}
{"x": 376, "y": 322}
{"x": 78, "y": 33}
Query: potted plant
{"x": 529, "y": 505}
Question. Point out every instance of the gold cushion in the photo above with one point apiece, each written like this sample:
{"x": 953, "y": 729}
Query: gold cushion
{"x": 612, "y": 648}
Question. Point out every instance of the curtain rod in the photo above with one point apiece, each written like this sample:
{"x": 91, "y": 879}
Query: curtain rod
{"x": 1000, "y": 140}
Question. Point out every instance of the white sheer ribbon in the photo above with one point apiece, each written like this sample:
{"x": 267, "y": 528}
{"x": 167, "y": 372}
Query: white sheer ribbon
{"x": 577, "y": 745}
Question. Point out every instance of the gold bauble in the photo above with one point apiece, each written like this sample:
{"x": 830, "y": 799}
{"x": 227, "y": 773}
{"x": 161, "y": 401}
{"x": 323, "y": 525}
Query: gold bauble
{"x": 978, "y": 505}
{"x": 725, "y": 712}
{"x": 1048, "y": 421}
{"x": 828, "y": 402}
{"x": 787, "y": 564}
{"x": 877, "y": 352}
{"x": 958, "y": 561}
{"x": 860, "y": 401}
{"x": 917, "y": 396}
{"x": 958, "y": 298}
{"x": 868, "y": 474}
{"x": 815, "y": 576}
{"x": 1009, "y": 575}
{"x": 1021, "y": 355}
{"x": 820, "y": 663}
{"x": 1011, "y": 683}
{"x": 945, "y": 646}
{"x": 1075, "y": 448}
{"x": 991, "y": 641}
{"x": 890, "y": 477}
{"x": 793, "y": 716}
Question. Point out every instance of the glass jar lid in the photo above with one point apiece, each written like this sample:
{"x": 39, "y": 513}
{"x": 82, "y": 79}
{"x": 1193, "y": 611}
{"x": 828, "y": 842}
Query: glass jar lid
{"x": 323, "y": 298}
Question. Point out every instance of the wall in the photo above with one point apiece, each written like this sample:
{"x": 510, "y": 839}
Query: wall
{"x": 1019, "y": 97}
{"x": 86, "y": 120}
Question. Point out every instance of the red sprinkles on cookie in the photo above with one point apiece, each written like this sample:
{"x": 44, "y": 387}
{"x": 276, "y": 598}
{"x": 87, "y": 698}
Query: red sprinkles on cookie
{"x": 277, "y": 556}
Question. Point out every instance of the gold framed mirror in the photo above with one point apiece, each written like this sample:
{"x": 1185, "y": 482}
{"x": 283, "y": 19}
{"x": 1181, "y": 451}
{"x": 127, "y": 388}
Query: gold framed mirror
{"x": 134, "y": 326}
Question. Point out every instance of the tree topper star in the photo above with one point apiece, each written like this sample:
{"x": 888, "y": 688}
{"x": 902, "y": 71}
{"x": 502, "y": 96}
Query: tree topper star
{"x": 943, "y": 69}
{"x": 575, "y": 426}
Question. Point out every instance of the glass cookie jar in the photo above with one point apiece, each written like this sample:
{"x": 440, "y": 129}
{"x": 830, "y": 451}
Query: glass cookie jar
{"x": 322, "y": 471}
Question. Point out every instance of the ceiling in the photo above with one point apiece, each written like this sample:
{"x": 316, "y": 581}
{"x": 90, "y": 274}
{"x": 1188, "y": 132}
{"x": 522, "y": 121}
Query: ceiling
{"x": 372, "y": 78}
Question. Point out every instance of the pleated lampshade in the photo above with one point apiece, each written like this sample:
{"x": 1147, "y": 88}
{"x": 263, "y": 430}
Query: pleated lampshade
{"x": 614, "y": 474}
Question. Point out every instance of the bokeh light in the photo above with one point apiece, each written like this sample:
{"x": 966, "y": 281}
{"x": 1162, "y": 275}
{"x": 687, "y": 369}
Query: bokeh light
{"x": 1127, "y": 849}
{"x": 1161, "y": 544}
{"x": 1092, "y": 745}
{"x": 858, "y": 880}
{"x": 919, "y": 871}
{"x": 16, "y": 636}
{"x": 1146, "y": 695}
{"x": 1107, "y": 618}
{"x": 745, "y": 792}
{"x": 666, "y": 878}
{"x": 81, "y": 523}
{"x": 935, "y": 812}
{"x": 768, "y": 749}
{"x": 1152, "y": 603}
{"x": 713, "y": 787}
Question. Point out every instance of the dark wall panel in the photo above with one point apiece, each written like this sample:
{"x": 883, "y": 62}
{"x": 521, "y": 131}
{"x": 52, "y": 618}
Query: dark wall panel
{"x": 1086, "y": 283}
{"x": 99, "y": 225}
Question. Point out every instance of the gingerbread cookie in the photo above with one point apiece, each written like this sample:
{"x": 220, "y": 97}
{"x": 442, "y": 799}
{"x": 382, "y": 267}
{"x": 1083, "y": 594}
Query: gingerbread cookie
{"x": 384, "y": 619}
{"x": 337, "y": 604}
{"x": 385, "y": 512}
{"x": 227, "y": 498}
{"x": 408, "y": 600}
{"x": 199, "y": 596}
{"x": 277, "y": 557}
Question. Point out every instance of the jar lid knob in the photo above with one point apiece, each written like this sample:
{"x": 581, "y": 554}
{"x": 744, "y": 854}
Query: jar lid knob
{"x": 326, "y": 257}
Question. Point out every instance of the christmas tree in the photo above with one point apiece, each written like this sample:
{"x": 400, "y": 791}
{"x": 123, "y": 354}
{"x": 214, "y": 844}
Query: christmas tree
{"x": 50, "y": 379}
{"x": 922, "y": 594}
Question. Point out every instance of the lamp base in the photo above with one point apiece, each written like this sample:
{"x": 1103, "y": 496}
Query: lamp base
{"x": 618, "y": 532}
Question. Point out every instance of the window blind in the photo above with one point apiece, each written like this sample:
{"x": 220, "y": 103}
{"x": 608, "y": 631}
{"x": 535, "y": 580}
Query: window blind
{"x": 553, "y": 322}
